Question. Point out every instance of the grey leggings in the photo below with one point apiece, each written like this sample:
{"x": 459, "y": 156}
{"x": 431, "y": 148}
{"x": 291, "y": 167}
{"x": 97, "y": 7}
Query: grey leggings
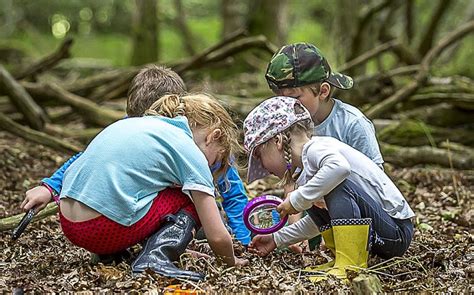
{"x": 390, "y": 236}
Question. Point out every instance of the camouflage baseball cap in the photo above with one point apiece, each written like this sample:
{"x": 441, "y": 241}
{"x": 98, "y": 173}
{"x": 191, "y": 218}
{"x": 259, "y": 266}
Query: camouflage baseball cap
{"x": 301, "y": 64}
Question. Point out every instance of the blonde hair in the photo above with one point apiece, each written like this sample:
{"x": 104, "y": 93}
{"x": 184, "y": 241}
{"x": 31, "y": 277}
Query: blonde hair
{"x": 203, "y": 112}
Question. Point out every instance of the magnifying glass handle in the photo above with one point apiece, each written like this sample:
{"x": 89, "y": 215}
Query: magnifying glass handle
{"x": 18, "y": 230}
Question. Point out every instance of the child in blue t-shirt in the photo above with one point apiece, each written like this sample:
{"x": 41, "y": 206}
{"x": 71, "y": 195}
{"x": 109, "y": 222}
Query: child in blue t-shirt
{"x": 300, "y": 70}
{"x": 148, "y": 85}
{"x": 147, "y": 179}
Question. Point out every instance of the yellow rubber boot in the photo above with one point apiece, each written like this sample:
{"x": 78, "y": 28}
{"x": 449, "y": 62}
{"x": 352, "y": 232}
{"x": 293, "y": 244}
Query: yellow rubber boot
{"x": 351, "y": 239}
{"x": 328, "y": 238}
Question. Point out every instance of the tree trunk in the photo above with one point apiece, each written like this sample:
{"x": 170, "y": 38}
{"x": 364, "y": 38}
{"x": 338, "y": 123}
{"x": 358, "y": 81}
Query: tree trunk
{"x": 186, "y": 36}
{"x": 145, "y": 33}
{"x": 269, "y": 18}
{"x": 233, "y": 13}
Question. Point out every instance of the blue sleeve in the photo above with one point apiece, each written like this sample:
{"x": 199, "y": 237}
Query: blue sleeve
{"x": 234, "y": 201}
{"x": 55, "y": 181}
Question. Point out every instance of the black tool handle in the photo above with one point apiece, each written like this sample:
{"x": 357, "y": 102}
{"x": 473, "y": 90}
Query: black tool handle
{"x": 18, "y": 230}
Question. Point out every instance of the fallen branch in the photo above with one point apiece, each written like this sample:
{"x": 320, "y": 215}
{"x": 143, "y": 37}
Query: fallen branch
{"x": 84, "y": 135}
{"x": 91, "y": 111}
{"x": 443, "y": 114}
{"x": 199, "y": 58}
{"x": 417, "y": 133}
{"x": 32, "y": 112}
{"x": 47, "y": 62}
{"x": 368, "y": 55}
{"x": 36, "y": 136}
{"x": 8, "y": 223}
{"x": 461, "y": 100}
{"x": 411, "y": 156}
{"x": 224, "y": 50}
{"x": 401, "y": 71}
{"x": 421, "y": 77}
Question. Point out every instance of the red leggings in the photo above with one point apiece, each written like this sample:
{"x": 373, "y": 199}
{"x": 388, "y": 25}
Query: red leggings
{"x": 104, "y": 236}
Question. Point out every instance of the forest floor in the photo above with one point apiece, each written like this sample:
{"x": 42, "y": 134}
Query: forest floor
{"x": 440, "y": 258}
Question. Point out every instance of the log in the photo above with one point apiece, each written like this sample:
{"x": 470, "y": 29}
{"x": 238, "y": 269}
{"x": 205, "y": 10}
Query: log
{"x": 8, "y": 223}
{"x": 463, "y": 101}
{"x": 91, "y": 111}
{"x": 417, "y": 133}
{"x": 47, "y": 62}
{"x": 443, "y": 114}
{"x": 113, "y": 89}
{"x": 411, "y": 156}
{"x": 421, "y": 77}
{"x": 33, "y": 113}
{"x": 83, "y": 135}
{"x": 36, "y": 136}
{"x": 85, "y": 85}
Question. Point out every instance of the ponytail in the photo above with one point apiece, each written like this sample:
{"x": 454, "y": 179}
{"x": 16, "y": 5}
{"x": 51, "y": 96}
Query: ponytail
{"x": 168, "y": 106}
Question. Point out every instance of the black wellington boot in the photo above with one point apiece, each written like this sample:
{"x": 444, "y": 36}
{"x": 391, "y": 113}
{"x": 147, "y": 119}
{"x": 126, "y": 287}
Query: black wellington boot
{"x": 165, "y": 246}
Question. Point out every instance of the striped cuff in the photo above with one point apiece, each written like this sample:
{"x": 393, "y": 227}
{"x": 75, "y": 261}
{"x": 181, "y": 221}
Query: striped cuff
{"x": 53, "y": 193}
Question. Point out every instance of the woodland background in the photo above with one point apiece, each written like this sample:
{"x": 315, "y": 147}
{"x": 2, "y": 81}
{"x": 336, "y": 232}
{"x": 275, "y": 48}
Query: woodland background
{"x": 65, "y": 67}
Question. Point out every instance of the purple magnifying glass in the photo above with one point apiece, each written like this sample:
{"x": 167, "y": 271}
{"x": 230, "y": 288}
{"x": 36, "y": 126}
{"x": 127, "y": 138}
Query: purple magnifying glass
{"x": 261, "y": 217}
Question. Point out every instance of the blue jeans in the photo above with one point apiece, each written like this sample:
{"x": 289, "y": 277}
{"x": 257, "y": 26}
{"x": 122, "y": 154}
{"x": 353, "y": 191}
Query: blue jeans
{"x": 390, "y": 236}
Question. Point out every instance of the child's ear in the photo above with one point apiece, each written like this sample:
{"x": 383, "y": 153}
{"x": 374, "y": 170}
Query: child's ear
{"x": 214, "y": 136}
{"x": 279, "y": 141}
{"x": 324, "y": 90}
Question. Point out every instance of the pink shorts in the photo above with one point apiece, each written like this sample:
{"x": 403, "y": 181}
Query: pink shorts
{"x": 104, "y": 236}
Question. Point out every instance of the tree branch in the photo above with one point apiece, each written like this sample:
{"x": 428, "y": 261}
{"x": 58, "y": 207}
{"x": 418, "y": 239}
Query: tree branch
{"x": 36, "y": 136}
{"x": 8, "y": 223}
{"x": 47, "y": 62}
{"x": 428, "y": 37}
{"x": 421, "y": 77}
{"x": 33, "y": 113}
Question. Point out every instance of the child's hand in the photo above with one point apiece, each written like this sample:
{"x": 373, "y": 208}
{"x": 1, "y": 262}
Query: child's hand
{"x": 37, "y": 197}
{"x": 262, "y": 245}
{"x": 285, "y": 208}
{"x": 240, "y": 261}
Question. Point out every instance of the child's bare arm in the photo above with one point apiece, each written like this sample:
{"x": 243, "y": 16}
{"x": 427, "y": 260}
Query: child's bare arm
{"x": 217, "y": 236}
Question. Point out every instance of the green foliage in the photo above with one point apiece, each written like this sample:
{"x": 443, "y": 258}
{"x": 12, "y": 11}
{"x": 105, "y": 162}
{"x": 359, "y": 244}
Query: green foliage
{"x": 102, "y": 29}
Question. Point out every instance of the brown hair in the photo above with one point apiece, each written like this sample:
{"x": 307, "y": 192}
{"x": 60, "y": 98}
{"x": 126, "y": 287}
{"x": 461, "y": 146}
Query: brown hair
{"x": 315, "y": 88}
{"x": 151, "y": 83}
{"x": 203, "y": 112}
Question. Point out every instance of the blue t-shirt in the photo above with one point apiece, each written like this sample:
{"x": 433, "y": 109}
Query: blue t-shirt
{"x": 351, "y": 126}
{"x": 129, "y": 162}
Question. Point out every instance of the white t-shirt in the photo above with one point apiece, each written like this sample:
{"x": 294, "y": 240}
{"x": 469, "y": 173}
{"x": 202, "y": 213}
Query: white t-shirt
{"x": 327, "y": 162}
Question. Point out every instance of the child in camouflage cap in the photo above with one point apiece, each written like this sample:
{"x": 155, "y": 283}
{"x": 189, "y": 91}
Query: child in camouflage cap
{"x": 301, "y": 71}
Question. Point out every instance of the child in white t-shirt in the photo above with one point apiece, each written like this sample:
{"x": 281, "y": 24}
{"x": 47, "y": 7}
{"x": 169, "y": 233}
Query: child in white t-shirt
{"x": 365, "y": 210}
